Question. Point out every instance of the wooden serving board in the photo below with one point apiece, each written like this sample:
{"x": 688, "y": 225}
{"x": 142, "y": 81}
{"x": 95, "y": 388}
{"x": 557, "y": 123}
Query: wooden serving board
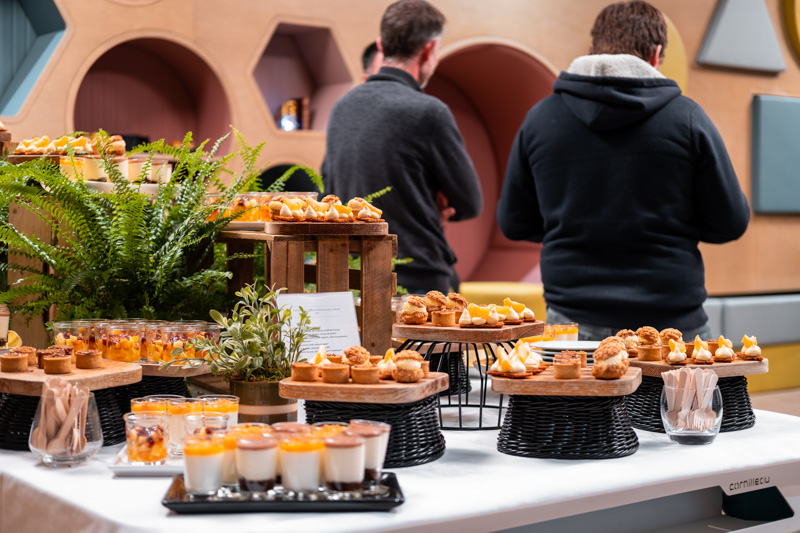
{"x": 326, "y": 228}
{"x": 174, "y": 371}
{"x": 383, "y": 392}
{"x": 428, "y": 332}
{"x": 5, "y": 136}
{"x": 545, "y": 384}
{"x": 724, "y": 370}
{"x": 110, "y": 374}
{"x": 17, "y": 159}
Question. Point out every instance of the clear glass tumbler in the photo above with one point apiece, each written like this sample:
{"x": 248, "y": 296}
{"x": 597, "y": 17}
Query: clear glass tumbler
{"x": 698, "y": 422}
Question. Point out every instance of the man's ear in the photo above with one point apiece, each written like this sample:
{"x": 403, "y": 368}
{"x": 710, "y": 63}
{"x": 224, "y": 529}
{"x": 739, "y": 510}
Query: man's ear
{"x": 427, "y": 50}
{"x": 379, "y": 43}
{"x": 655, "y": 60}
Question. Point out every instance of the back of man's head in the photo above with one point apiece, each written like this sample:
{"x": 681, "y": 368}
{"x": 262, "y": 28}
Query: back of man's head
{"x": 407, "y": 26}
{"x": 635, "y": 28}
{"x": 368, "y": 57}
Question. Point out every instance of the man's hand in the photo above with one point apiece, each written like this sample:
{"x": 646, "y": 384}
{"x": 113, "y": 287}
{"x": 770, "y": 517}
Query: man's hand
{"x": 445, "y": 211}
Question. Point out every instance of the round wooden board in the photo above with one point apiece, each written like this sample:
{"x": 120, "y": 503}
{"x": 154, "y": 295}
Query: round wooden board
{"x": 110, "y": 374}
{"x": 427, "y": 332}
{"x": 383, "y": 392}
{"x": 327, "y": 228}
{"x": 154, "y": 369}
{"x": 723, "y": 370}
{"x": 19, "y": 158}
{"x": 545, "y": 384}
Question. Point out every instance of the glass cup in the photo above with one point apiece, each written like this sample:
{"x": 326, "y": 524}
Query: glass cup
{"x": 202, "y": 465}
{"x": 148, "y": 404}
{"x": 301, "y": 465}
{"x": 123, "y": 341}
{"x": 248, "y": 204}
{"x": 75, "y": 334}
{"x": 202, "y": 425}
{"x": 152, "y": 346}
{"x": 147, "y": 437}
{"x": 699, "y": 423}
{"x": 567, "y": 331}
{"x": 176, "y": 335}
{"x": 77, "y": 445}
{"x": 209, "y": 331}
{"x": 324, "y": 430}
{"x": 376, "y": 441}
{"x": 549, "y": 333}
{"x": 212, "y": 199}
{"x": 344, "y": 466}
{"x": 226, "y": 405}
{"x": 176, "y": 409}
{"x": 256, "y": 464}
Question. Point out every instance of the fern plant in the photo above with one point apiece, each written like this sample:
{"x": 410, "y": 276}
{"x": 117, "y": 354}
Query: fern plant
{"x": 122, "y": 253}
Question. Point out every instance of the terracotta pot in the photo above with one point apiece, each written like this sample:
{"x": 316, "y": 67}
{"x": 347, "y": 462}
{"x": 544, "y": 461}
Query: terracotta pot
{"x": 259, "y": 401}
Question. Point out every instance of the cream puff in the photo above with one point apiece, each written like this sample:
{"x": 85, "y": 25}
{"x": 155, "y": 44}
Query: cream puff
{"x": 435, "y": 301}
{"x": 408, "y": 367}
{"x": 356, "y": 355}
{"x": 414, "y": 311}
{"x": 610, "y": 359}
{"x": 630, "y": 339}
{"x": 649, "y": 347}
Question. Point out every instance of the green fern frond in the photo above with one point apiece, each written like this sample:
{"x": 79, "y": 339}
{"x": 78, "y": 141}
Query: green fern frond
{"x": 371, "y": 197}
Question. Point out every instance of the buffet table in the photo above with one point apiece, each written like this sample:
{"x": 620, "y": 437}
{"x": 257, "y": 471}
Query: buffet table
{"x": 472, "y": 487}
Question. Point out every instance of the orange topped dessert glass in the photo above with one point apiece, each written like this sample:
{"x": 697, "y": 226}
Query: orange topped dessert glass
{"x": 122, "y": 341}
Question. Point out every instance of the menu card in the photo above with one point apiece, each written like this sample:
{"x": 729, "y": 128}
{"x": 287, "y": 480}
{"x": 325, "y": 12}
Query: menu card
{"x": 334, "y": 313}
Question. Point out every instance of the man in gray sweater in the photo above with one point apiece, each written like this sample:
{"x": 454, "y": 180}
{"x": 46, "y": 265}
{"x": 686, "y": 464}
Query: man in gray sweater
{"x": 387, "y": 132}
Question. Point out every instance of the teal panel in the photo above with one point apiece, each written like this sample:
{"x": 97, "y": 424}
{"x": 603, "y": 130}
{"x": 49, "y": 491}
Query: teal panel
{"x": 776, "y": 154}
{"x": 741, "y": 35}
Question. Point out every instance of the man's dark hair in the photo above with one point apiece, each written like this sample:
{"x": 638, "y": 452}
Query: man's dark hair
{"x": 407, "y": 26}
{"x": 634, "y": 27}
{"x": 369, "y": 55}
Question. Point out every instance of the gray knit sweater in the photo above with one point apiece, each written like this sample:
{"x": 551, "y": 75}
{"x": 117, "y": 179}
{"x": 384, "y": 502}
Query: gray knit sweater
{"x": 388, "y": 132}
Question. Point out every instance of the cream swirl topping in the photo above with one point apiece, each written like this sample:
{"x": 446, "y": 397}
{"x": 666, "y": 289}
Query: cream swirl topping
{"x": 285, "y": 211}
{"x": 702, "y": 354}
{"x": 309, "y": 213}
{"x": 332, "y": 214}
{"x": 511, "y": 315}
{"x": 366, "y": 213}
{"x": 465, "y": 319}
{"x": 408, "y": 364}
{"x": 527, "y": 314}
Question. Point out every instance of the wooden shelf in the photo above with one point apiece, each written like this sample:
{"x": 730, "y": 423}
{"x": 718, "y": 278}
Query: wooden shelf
{"x": 427, "y": 332}
{"x": 383, "y": 392}
{"x": 327, "y": 228}
{"x": 154, "y": 369}
{"x": 545, "y": 384}
{"x": 110, "y": 374}
{"x": 724, "y": 370}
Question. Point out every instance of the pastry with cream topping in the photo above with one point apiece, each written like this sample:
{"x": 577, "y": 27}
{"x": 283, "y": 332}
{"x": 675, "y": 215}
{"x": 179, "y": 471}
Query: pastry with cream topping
{"x": 408, "y": 367}
{"x": 364, "y": 211}
{"x": 414, "y": 311}
{"x": 677, "y": 353}
{"x": 751, "y": 351}
{"x": 508, "y": 365}
{"x": 387, "y": 366}
{"x": 631, "y": 341}
{"x": 701, "y": 354}
{"x": 649, "y": 346}
{"x": 456, "y": 302}
{"x": 610, "y": 359}
{"x": 477, "y": 316}
{"x": 725, "y": 353}
{"x": 665, "y": 335}
{"x": 356, "y": 355}
{"x": 435, "y": 301}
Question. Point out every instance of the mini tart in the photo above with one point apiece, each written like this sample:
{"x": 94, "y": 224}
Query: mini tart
{"x": 14, "y": 362}
{"x": 29, "y": 352}
{"x": 356, "y": 355}
{"x": 41, "y": 354}
{"x": 408, "y": 367}
{"x": 443, "y": 318}
{"x": 414, "y": 311}
{"x": 66, "y": 349}
{"x": 365, "y": 374}
{"x": 566, "y": 366}
{"x": 336, "y": 373}
{"x": 648, "y": 352}
{"x": 713, "y": 344}
{"x": 582, "y": 355}
{"x": 305, "y": 372}
{"x": 57, "y": 364}
{"x": 87, "y": 359}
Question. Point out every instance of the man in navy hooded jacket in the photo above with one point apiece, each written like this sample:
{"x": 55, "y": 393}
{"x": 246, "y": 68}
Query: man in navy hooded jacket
{"x": 620, "y": 176}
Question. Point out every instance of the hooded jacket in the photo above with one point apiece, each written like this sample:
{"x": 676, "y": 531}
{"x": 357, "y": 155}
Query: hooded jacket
{"x": 619, "y": 178}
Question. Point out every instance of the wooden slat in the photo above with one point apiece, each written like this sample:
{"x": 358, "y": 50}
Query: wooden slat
{"x": 376, "y": 295}
{"x": 353, "y": 274}
{"x": 110, "y": 374}
{"x": 384, "y": 392}
{"x": 332, "y": 268}
{"x": 427, "y": 332}
{"x": 738, "y": 367}
{"x": 545, "y": 384}
{"x": 174, "y": 371}
{"x": 295, "y": 267}
{"x": 278, "y": 264}
{"x": 243, "y": 270}
{"x": 327, "y": 228}
{"x": 310, "y": 244}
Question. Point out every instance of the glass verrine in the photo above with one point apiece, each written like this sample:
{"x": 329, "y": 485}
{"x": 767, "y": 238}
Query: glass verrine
{"x": 176, "y": 335}
{"x": 301, "y": 465}
{"x": 152, "y": 345}
{"x": 209, "y": 331}
{"x": 324, "y": 430}
{"x": 227, "y": 405}
{"x": 376, "y": 441}
{"x": 247, "y": 204}
{"x": 256, "y": 464}
{"x": 147, "y": 437}
{"x": 75, "y": 334}
{"x": 202, "y": 465}
{"x": 177, "y": 408}
{"x": 344, "y": 462}
{"x": 699, "y": 422}
{"x": 202, "y": 425}
{"x": 123, "y": 341}
{"x": 150, "y": 405}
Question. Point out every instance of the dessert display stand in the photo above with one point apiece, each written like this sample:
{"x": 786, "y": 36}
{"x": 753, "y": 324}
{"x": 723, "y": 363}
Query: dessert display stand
{"x": 581, "y": 418}
{"x": 410, "y": 408}
{"x": 447, "y": 348}
{"x": 284, "y": 266}
{"x": 156, "y": 380}
{"x": 20, "y": 392}
{"x": 737, "y": 413}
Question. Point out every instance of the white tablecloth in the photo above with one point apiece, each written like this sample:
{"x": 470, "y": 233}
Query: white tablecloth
{"x": 472, "y": 488}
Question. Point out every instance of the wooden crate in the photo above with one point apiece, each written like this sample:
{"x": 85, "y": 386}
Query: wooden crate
{"x": 284, "y": 267}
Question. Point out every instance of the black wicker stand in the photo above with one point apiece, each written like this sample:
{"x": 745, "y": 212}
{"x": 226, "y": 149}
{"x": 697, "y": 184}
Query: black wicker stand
{"x": 150, "y": 385}
{"x": 17, "y": 413}
{"x": 645, "y": 408}
{"x": 415, "y": 438}
{"x": 567, "y": 427}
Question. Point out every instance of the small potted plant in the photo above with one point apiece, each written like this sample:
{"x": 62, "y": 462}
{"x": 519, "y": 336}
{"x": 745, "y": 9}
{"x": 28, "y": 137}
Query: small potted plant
{"x": 256, "y": 348}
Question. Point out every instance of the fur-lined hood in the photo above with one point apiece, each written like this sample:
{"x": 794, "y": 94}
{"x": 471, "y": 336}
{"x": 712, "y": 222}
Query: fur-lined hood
{"x": 608, "y": 92}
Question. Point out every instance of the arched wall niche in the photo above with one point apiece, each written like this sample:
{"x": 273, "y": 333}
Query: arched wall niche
{"x": 490, "y": 87}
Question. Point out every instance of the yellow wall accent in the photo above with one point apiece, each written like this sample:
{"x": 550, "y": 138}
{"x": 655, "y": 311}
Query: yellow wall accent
{"x": 791, "y": 11}
{"x": 675, "y": 65}
{"x": 784, "y": 369}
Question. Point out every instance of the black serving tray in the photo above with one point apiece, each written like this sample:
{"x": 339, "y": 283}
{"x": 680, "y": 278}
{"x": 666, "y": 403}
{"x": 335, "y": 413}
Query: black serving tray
{"x": 177, "y": 500}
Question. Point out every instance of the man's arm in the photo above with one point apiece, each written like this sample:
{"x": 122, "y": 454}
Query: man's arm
{"x": 518, "y": 213}
{"x": 453, "y": 168}
{"x": 720, "y": 206}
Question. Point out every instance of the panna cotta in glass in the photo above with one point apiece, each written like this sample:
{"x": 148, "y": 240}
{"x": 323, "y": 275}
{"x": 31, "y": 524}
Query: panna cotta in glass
{"x": 344, "y": 466}
{"x": 202, "y": 465}
{"x": 376, "y": 441}
{"x": 256, "y": 461}
{"x": 197, "y": 425}
{"x": 222, "y": 404}
{"x": 177, "y": 408}
{"x": 301, "y": 462}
